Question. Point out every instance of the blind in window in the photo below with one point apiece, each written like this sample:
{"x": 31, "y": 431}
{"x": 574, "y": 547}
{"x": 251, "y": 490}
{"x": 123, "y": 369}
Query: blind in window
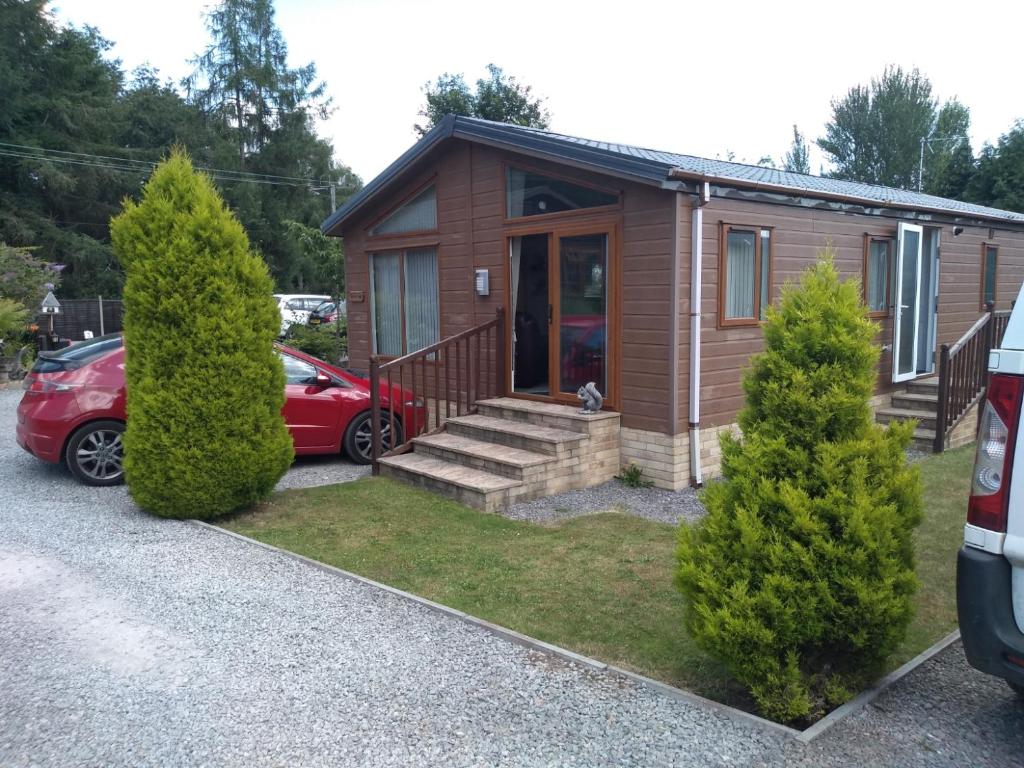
{"x": 739, "y": 275}
{"x": 422, "y": 316}
{"x": 387, "y": 310}
{"x": 878, "y": 275}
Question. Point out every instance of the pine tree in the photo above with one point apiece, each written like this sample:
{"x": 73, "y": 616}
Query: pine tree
{"x": 800, "y": 577}
{"x": 205, "y": 434}
{"x": 798, "y": 158}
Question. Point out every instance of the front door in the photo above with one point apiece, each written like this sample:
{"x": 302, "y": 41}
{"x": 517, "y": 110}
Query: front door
{"x": 561, "y": 294}
{"x": 916, "y": 293}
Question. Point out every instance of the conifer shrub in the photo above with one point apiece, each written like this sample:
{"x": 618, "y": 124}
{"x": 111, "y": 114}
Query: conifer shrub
{"x": 800, "y": 578}
{"x": 205, "y": 435}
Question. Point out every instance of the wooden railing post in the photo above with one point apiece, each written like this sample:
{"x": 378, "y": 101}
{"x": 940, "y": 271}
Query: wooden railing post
{"x": 988, "y": 346}
{"x": 375, "y": 412}
{"x": 501, "y": 352}
{"x": 943, "y": 404}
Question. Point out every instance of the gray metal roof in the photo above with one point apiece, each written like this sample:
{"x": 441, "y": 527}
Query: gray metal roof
{"x": 657, "y": 167}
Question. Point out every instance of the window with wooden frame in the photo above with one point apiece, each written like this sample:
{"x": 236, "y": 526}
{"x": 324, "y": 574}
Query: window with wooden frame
{"x": 417, "y": 214}
{"x": 529, "y": 193}
{"x": 878, "y": 270}
{"x": 744, "y": 269}
{"x": 989, "y": 271}
{"x": 404, "y": 303}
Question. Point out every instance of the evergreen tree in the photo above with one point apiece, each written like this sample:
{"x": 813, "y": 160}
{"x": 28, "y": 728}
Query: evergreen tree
{"x": 205, "y": 435}
{"x": 243, "y": 76}
{"x": 876, "y": 130}
{"x": 798, "y": 158}
{"x": 800, "y": 577}
{"x": 498, "y": 97}
{"x": 242, "y": 82}
{"x": 999, "y": 179}
{"x": 948, "y": 160}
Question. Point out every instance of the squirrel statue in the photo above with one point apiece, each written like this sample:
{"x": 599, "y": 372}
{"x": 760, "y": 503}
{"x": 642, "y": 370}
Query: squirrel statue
{"x": 591, "y": 398}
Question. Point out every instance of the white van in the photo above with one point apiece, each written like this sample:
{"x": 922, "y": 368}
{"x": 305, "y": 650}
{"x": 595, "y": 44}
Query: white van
{"x": 295, "y": 307}
{"x": 990, "y": 566}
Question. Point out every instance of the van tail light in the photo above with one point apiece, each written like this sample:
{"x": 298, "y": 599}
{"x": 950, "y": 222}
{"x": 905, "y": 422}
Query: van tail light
{"x": 993, "y": 461}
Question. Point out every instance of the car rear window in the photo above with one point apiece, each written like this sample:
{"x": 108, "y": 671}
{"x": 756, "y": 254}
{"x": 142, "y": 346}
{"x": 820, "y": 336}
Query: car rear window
{"x": 77, "y": 355}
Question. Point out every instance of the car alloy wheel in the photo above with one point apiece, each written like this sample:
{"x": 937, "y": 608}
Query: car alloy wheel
{"x": 359, "y": 441}
{"x": 95, "y": 454}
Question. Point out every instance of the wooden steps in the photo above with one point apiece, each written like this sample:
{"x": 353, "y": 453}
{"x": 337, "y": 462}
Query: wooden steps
{"x": 511, "y": 450}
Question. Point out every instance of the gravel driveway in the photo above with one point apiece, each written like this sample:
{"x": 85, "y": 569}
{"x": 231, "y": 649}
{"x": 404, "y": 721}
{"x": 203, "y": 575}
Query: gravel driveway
{"x": 129, "y": 640}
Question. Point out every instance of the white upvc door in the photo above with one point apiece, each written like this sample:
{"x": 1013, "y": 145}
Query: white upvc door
{"x": 908, "y": 302}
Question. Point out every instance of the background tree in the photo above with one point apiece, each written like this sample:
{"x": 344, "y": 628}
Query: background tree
{"x": 57, "y": 91}
{"x": 876, "y": 130}
{"x": 79, "y": 136}
{"x": 948, "y": 159}
{"x": 25, "y": 278}
{"x": 800, "y": 577}
{"x": 798, "y": 158}
{"x": 198, "y": 310}
{"x": 268, "y": 110}
{"x": 498, "y": 97}
{"x": 999, "y": 179}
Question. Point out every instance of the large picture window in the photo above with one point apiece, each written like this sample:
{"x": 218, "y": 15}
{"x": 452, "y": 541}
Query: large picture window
{"x": 404, "y": 301}
{"x": 533, "y": 194}
{"x": 878, "y": 268}
{"x": 745, "y": 274}
{"x": 990, "y": 254}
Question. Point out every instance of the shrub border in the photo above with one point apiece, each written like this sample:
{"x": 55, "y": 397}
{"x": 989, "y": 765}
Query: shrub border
{"x": 805, "y": 736}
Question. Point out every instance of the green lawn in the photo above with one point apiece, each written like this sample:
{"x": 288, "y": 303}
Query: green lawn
{"x": 600, "y": 585}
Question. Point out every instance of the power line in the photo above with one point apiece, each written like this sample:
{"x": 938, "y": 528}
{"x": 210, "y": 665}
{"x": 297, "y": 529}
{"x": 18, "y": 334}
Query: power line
{"x": 127, "y": 165}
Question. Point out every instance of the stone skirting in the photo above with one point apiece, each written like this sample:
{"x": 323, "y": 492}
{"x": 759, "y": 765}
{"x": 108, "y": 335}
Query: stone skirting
{"x": 665, "y": 459}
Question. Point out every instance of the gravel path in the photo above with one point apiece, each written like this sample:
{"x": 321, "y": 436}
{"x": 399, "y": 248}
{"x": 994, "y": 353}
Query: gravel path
{"x": 133, "y": 641}
{"x": 651, "y": 503}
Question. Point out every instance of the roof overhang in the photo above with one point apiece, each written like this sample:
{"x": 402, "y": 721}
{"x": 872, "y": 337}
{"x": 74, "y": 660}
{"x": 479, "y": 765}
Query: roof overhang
{"x": 500, "y": 137}
{"x": 635, "y": 166}
{"x": 679, "y": 174}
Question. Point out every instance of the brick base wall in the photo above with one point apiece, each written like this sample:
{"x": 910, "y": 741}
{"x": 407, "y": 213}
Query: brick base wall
{"x": 966, "y": 431}
{"x": 665, "y": 459}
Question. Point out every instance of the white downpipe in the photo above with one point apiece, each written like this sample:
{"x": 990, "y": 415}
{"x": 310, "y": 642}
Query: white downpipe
{"x": 696, "y": 279}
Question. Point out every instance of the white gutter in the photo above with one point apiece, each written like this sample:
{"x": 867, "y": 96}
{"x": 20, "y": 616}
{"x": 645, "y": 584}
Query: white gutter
{"x": 696, "y": 279}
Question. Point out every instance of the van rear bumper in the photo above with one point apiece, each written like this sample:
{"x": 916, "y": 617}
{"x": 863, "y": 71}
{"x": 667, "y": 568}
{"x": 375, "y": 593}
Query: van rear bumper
{"x": 985, "y": 611}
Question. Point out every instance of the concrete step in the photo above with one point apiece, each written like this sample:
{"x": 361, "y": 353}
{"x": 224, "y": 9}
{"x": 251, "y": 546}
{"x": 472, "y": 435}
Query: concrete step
{"x": 916, "y": 402}
{"x": 929, "y": 386}
{"x": 552, "y": 415}
{"x": 925, "y": 419}
{"x": 515, "y": 434}
{"x": 469, "y": 486}
{"x": 503, "y": 460}
{"x": 924, "y": 439}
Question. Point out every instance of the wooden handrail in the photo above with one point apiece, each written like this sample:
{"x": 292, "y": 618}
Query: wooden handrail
{"x": 963, "y": 372}
{"x": 478, "y": 372}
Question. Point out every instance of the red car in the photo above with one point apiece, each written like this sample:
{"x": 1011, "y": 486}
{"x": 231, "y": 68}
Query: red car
{"x": 74, "y": 409}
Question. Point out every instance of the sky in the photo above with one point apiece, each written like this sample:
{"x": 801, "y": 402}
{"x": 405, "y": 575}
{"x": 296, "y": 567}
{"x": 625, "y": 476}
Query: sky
{"x": 695, "y": 78}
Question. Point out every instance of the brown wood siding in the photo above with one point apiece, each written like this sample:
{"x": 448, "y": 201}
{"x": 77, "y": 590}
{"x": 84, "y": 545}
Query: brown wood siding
{"x": 798, "y": 234}
{"x": 471, "y": 234}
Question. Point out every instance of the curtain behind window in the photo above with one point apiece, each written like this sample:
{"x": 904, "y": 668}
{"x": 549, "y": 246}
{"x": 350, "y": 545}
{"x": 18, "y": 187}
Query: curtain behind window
{"x": 422, "y": 315}
{"x": 739, "y": 275}
{"x": 991, "y": 256}
{"x": 387, "y": 310}
{"x": 878, "y": 275}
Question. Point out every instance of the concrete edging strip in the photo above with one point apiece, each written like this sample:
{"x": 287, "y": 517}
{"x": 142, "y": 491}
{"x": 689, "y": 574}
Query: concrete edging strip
{"x": 805, "y": 736}
{"x": 872, "y": 693}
